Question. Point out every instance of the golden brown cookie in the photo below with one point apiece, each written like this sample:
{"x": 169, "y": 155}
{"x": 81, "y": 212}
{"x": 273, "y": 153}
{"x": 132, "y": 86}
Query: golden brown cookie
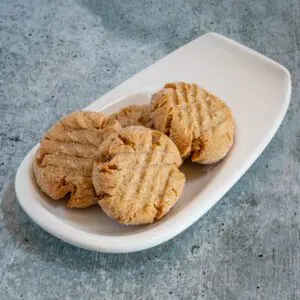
{"x": 138, "y": 177}
{"x": 134, "y": 115}
{"x": 198, "y": 122}
{"x": 64, "y": 161}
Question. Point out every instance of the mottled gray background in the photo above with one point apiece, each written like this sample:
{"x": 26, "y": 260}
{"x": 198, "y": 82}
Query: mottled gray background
{"x": 58, "y": 56}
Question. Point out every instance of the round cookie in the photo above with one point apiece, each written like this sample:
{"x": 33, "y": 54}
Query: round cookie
{"x": 63, "y": 163}
{"x": 198, "y": 122}
{"x": 138, "y": 176}
{"x": 134, "y": 115}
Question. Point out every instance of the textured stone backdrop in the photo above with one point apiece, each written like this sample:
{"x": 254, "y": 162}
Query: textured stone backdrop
{"x": 58, "y": 56}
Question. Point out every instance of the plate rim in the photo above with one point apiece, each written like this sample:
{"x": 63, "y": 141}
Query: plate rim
{"x": 125, "y": 244}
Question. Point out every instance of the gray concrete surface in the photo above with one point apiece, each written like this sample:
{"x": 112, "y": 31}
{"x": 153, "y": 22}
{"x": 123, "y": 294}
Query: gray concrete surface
{"x": 57, "y": 56}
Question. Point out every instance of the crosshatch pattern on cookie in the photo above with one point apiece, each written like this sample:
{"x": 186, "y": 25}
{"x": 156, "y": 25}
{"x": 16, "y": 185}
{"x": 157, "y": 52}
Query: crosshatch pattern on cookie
{"x": 139, "y": 179}
{"x": 64, "y": 161}
{"x": 198, "y": 122}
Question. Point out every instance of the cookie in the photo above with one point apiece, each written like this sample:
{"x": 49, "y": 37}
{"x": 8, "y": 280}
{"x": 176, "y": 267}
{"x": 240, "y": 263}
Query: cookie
{"x": 138, "y": 177}
{"x": 134, "y": 115}
{"x": 199, "y": 123}
{"x": 63, "y": 163}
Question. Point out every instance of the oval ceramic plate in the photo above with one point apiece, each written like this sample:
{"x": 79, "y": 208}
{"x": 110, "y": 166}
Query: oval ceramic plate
{"x": 256, "y": 88}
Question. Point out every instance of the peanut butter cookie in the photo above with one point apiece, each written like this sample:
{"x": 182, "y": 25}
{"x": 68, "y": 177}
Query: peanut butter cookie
{"x": 134, "y": 115}
{"x": 63, "y": 164}
{"x": 138, "y": 176}
{"x": 198, "y": 122}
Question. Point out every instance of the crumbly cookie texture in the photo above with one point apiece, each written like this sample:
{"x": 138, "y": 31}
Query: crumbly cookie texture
{"x": 134, "y": 115}
{"x": 199, "y": 123}
{"x": 63, "y": 164}
{"x": 138, "y": 176}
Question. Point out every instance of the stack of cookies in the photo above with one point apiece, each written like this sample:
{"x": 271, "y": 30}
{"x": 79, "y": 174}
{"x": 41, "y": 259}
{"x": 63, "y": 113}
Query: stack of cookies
{"x": 128, "y": 162}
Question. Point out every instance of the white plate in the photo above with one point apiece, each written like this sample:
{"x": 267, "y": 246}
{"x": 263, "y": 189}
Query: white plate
{"x": 256, "y": 88}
